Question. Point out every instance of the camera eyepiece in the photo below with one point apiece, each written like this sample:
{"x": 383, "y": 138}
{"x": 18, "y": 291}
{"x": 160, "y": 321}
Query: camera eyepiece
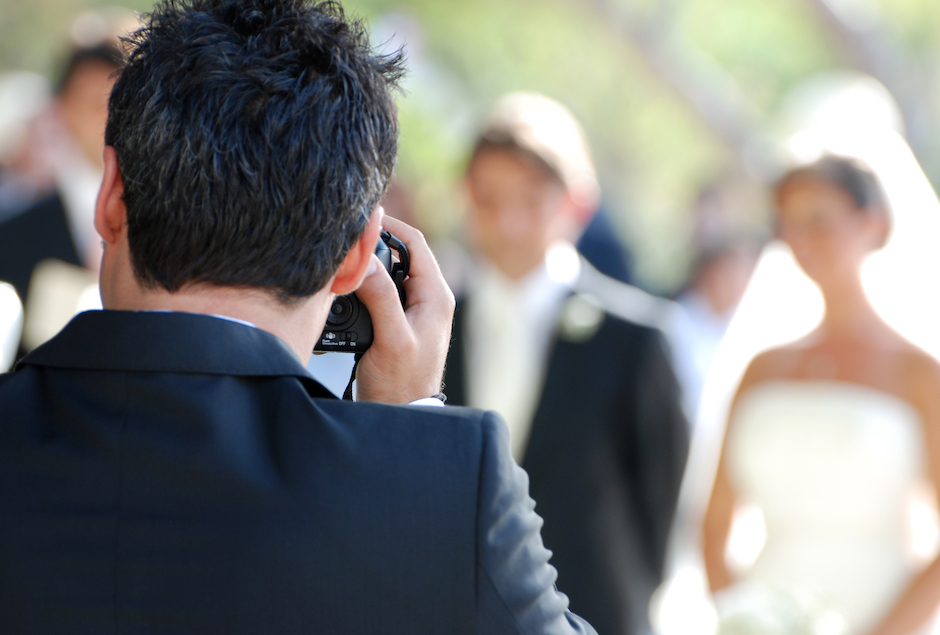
{"x": 343, "y": 313}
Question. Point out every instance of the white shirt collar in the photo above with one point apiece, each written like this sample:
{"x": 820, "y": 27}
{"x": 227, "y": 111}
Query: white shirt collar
{"x": 538, "y": 292}
{"x": 509, "y": 334}
{"x": 215, "y": 315}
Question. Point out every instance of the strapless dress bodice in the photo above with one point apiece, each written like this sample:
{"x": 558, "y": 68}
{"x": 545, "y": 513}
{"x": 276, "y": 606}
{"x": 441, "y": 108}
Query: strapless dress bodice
{"x": 831, "y": 466}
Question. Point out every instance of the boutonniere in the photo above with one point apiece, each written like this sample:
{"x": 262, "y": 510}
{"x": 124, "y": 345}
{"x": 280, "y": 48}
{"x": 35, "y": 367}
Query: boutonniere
{"x": 581, "y": 318}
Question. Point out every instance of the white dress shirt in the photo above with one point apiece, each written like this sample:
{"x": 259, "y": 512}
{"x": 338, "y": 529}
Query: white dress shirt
{"x": 510, "y": 326}
{"x": 78, "y": 182}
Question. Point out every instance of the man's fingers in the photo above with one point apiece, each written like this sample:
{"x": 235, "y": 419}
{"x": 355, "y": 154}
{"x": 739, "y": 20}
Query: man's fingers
{"x": 379, "y": 295}
{"x": 406, "y": 360}
{"x": 425, "y": 283}
{"x": 423, "y": 262}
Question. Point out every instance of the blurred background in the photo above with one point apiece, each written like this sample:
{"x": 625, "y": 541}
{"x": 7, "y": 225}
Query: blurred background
{"x": 682, "y": 100}
{"x": 688, "y": 106}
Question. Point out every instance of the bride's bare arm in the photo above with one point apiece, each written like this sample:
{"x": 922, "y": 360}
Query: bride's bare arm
{"x": 716, "y": 525}
{"x": 715, "y": 530}
{"x": 922, "y": 596}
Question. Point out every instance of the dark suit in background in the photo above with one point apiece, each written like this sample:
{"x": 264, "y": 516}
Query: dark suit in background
{"x": 179, "y": 473}
{"x": 600, "y": 246}
{"x": 606, "y": 451}
{"x": 37, "y": 233}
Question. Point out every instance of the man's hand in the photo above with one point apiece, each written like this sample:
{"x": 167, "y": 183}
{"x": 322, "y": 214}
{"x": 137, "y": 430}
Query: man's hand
{"x": 409, "y": 347}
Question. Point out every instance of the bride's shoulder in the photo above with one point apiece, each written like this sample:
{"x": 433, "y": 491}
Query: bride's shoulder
{"x": 776, "y": 363}
{"x": 921, "y": 370}
{"x": 920, "y": 378}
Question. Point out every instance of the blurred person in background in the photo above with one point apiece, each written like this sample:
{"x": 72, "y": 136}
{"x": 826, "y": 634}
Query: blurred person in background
{"x": 829, "y": 436}
{"x": 573, "y": 360}
{"x": 11, "y": 324}
{"x": 23, "y": 96}
{"x": 68, "y": 140}
{"x": 600, "y": 246}
{"x": 716, "y": 286}
{"x": 25, "y": 173}
{"x": 725, "y": 257}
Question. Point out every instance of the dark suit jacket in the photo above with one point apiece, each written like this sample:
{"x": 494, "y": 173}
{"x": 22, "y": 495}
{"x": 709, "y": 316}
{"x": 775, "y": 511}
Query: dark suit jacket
{"x": 601, "y": 247}
{"x": 606, "y": 453}
{"x": 40, "y": 232}
{"x": 179, "y": 473}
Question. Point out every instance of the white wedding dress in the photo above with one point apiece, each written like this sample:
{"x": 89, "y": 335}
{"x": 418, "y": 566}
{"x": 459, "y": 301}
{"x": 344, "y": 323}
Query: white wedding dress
{"x": 831, "y": 465}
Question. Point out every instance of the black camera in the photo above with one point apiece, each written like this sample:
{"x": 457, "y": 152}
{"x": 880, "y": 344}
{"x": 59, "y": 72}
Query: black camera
{"x": 349, "y": 326}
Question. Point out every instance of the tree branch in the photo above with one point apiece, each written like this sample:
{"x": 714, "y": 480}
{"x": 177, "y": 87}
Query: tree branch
{"x": 704, "y": 86}
{"x": 872, "y": 48}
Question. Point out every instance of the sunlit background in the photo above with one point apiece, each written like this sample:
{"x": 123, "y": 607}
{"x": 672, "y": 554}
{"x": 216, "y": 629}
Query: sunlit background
{"x": 692, "y": 109}
{"x": 676, "y": 95}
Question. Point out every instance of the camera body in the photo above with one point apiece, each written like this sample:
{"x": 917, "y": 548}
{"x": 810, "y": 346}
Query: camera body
{"x": 349, "y": 326}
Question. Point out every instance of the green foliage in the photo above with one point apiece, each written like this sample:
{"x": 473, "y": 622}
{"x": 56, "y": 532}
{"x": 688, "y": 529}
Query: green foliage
{"x": 650, "y": 150}
{"x": 653, "y": 150}
{"x": 767, "y": 45}
{"x": 34, "y": 34}
{"x": 916, "y": 21}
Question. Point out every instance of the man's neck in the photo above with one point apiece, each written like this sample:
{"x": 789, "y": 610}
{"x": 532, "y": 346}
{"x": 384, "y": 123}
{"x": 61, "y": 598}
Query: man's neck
{"x": 299, "y": 325}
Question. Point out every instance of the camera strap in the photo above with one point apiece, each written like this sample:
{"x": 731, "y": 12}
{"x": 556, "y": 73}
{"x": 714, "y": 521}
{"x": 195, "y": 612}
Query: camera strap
{"x": 348, "y": 393}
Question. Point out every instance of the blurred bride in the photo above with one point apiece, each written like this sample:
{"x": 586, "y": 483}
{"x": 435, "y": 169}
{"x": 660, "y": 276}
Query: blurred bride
{"x": 848, "y": 115}
{"x": 829, "y": 435}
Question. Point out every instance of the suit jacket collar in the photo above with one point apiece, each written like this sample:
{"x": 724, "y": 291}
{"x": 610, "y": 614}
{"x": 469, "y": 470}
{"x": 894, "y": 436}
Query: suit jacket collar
{"x": 169, "y": 342}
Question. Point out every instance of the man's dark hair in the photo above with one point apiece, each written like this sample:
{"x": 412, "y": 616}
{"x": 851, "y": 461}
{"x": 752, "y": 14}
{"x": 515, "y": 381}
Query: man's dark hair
{"x": 254, "y": 138}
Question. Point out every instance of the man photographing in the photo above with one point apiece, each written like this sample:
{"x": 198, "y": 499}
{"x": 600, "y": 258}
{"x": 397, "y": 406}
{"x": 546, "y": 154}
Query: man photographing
{"x": 167, "y": 464}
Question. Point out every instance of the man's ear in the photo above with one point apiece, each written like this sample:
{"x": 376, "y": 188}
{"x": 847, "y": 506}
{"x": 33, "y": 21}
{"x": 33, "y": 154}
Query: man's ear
{"x": 354, "y": 267}
{"x": 571, "y": 218}
{"x": 110, "y": 212}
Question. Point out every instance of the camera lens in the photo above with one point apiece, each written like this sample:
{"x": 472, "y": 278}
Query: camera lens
{"x": 343, "y": 312}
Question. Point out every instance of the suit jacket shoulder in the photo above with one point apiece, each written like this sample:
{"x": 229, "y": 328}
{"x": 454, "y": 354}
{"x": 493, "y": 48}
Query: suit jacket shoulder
{"x": 183, "y": 472}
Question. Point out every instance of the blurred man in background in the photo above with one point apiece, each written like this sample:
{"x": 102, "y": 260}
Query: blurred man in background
{"x": 573, "y": 360}
{"x": 57, "y": 230}
{"x": 709, "y": 299}
{"x": 24, "y": 170}
{"x": 600, "y": 246}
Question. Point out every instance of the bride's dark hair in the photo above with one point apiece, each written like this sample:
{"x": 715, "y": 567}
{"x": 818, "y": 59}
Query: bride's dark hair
{"x": 850, "y": 175}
